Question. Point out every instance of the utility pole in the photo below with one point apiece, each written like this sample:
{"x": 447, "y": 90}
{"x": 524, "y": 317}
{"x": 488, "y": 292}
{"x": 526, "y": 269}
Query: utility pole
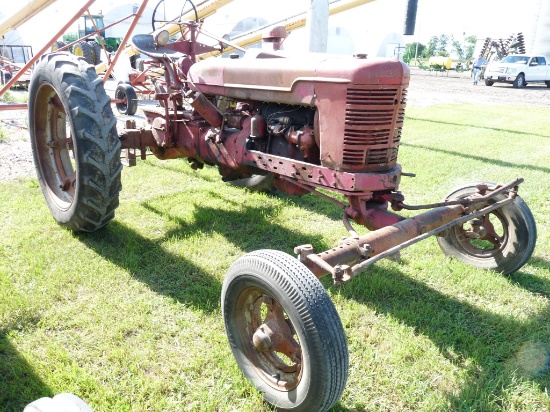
{"x": 317, "y": 25}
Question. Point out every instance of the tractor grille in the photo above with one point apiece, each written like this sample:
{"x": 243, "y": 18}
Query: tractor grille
{"x": 373, "y": 123}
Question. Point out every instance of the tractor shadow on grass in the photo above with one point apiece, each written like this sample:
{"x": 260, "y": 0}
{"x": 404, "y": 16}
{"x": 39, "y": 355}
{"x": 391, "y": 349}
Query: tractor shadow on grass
{"x": 19, "y": 385}
{"x": 249, "y": 228}
{"x": 181, "y": 168}
{"x": 176, "y": 275}
{"x": 147, "y": 261}
{"x": 488, "y": 347}
{"x": 532, "y": 283}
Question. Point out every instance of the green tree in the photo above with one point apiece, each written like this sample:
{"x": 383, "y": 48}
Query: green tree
{"x": 433, "y": 45}
{"x": 442, "y": 45}
{"x": 458, "y": 48}
{"x": 437, "y": 46}
{"x": 470, "y": 46}
{"x": 464, "y": 50}
{"x": 413, "y": 50}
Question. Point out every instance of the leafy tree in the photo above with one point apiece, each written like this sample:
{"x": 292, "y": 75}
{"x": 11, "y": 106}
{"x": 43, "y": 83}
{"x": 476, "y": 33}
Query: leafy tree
{"x": 442, "y": 45}
{"x": 437, "y": 46}
{"x": 470, "y": 46}
{"x": 412, "y": 51}
{"x": 464, "y": 50}
{"x": 457, "y": 48}
{"x": 433, "y": 45}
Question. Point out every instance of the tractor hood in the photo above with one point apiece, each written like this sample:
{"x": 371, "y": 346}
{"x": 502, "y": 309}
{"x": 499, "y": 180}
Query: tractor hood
{"x": 292, "y": 80}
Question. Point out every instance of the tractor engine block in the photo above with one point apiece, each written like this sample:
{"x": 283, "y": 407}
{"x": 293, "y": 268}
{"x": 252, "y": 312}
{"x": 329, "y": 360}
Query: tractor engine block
{"x": 342, "y": 113}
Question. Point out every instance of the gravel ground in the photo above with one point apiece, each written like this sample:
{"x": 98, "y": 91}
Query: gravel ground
{"x": 426, "y": 89}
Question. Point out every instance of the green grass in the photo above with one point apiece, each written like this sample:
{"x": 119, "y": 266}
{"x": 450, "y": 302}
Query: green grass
{"x": 129, "y": 319}
{"x": 3, "y": 135}
{"x": 15, "y": 97}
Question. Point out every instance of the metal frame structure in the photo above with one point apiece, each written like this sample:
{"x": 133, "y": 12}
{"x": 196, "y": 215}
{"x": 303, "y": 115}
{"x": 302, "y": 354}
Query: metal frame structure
{"x": 22, "y": 17}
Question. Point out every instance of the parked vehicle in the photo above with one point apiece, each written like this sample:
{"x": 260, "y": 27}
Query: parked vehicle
{"x": 518, "y": 70}
{"x": 90, "y": 48}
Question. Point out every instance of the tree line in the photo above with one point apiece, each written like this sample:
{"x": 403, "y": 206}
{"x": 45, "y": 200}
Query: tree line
{"x": 442, "y": 45}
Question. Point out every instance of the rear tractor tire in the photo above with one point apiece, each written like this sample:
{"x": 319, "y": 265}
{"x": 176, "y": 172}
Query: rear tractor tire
{"x": 74, "y": 140}
{"x": 508, "y": 238}
{"x": 96, "y": 51}
{"x": 85, "y": 50}
{"x": 57, "y": 45}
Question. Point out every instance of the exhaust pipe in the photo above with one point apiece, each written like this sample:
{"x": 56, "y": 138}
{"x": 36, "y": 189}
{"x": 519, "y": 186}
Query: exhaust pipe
{"x": 410, "y": 17}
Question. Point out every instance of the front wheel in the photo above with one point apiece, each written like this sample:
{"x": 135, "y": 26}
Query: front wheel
{"x": 489, "y": 82}
{"x": 503, "y": 240}
{"x": 284, "y": 331}
{"x": 547, "y": 83}
{"x": 519, "y": 82}
{"x": 128, "y": 99}
{"x": 74, "y": 140}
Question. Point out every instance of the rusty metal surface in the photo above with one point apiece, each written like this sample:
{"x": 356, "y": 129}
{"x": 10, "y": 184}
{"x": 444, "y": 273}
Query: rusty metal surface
{"x": 321, "y": 176}
{"x": 378, "y": 241}
{"x": 54, "y": 146}
{"x": 361, "y": 100}
{"x": 133, "y": 138}
{"x": 46, "y": 48}
{"x": 481, "y": 197}
{"x": 15, "y": 106}
{"x": 272, "y": 335}
{"x": 124, "y": 42}
{"x": 206, "y": 109}
{"x": 369, "y": 119}
{"x": 371, "y": 214}
{"x": 358, "y": 252}
{"x": 486, "y": 233}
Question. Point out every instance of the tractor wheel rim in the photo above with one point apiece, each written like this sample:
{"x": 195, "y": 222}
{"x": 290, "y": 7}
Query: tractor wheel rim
{"x": 269, "y": 339}
{"x": 491, "y": 243}
{"x": 55, "y": 148}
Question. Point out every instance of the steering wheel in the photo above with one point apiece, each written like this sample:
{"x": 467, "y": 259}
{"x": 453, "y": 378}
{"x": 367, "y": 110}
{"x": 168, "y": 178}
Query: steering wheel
{"x": 154, "y": 20}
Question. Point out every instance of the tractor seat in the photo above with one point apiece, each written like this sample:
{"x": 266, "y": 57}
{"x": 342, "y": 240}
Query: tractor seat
{"x": 145, "y": 43}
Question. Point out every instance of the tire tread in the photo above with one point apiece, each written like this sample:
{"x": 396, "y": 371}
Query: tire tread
{"x": 95, "y": 135}
{"x": 316, "y": 310}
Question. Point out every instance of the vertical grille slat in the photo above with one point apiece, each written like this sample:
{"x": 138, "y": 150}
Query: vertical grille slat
{"x": 373, "y": 123}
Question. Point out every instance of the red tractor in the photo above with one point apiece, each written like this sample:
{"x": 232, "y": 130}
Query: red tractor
{"x": 300, "y": 123}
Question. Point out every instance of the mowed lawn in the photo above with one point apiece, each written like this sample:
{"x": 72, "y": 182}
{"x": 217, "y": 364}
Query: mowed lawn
{"x": 129, "y": 319}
